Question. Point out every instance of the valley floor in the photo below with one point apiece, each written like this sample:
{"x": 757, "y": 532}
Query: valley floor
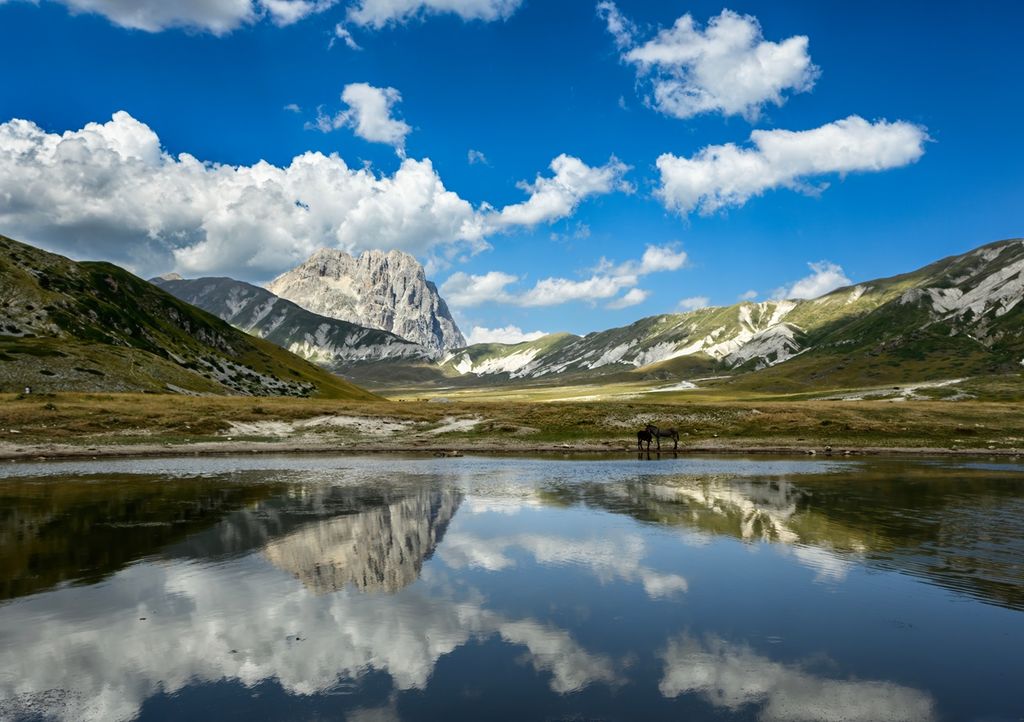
{"x": 85, "y": 425}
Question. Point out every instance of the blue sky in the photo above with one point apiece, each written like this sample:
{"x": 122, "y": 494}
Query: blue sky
{"x": 930, "y": 165}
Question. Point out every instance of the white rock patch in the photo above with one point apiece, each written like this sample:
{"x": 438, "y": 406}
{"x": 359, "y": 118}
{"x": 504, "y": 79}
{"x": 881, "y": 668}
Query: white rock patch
{"x": 365, "y": 425}
{"x": 450, "y": 424}
{"x": 681, "y": 386}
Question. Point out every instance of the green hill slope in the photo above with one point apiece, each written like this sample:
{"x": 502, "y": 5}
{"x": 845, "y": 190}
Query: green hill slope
{"x": 959, "y": 316}
{"x": 94, "y": 326}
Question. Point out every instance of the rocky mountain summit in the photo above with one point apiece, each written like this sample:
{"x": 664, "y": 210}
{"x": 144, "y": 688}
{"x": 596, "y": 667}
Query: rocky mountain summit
{"x": 387, "y": 291}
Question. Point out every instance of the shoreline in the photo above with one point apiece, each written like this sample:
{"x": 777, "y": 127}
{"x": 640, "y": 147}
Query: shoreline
{"x": 48, "y": 452}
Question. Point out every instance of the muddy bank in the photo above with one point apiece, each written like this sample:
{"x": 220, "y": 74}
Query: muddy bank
{"x": 16, "y": 452}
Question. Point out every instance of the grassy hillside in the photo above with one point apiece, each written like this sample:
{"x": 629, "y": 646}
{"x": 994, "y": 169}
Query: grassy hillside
{"x": 960, "y": 316}
{"x": 94, "y": 326}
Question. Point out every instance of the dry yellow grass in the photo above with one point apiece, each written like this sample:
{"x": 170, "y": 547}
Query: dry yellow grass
{"x": 81, "y": 419}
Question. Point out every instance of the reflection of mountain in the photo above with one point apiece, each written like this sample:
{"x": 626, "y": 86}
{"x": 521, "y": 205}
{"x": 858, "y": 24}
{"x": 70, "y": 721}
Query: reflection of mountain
{"x": 378, "y": 549}
{"x": 962, "y": 529}
{"x": 86, "y": 528}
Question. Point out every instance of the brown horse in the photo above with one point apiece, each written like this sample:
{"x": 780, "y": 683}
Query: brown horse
{"x": 658, "y": 434}
{"x": 641, "y": 436}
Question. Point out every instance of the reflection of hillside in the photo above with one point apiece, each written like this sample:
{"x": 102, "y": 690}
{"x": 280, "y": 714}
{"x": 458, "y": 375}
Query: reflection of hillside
{"x": 742, "y": 508}
{"x": 380, "y": 548}
{"x": 84, "y": 529}
{"x": 962, "y": 529}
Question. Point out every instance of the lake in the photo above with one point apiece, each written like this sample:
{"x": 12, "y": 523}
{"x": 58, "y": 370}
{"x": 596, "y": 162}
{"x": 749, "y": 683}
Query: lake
{"x": 475, "y": 588}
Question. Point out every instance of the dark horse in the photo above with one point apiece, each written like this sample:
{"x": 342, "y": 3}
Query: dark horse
{"x": 659, "y": 434}
{"x": 642, "y": 436}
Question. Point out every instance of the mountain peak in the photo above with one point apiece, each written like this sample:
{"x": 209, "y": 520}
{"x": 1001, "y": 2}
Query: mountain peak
{"x": 385, "y": 290}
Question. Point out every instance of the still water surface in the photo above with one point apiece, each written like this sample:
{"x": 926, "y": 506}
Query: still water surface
{"x": 384, "y": 588}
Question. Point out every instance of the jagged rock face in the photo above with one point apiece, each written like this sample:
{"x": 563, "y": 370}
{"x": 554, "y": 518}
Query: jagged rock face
{"x": 387, "y": 291}
{"x": 380, "y": 549}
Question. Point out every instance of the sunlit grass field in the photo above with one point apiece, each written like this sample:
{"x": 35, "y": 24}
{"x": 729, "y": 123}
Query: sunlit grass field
{"x": 515, "y": 419}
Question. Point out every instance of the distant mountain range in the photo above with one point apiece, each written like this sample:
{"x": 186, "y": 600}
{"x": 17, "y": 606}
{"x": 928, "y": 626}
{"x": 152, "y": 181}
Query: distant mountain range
{"x": 960, "y": 316}
{"x": 71, "y": 326}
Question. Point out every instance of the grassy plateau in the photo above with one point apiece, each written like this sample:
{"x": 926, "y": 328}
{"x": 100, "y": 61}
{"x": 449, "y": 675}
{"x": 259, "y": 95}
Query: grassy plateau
{"x": 63, "y": 424}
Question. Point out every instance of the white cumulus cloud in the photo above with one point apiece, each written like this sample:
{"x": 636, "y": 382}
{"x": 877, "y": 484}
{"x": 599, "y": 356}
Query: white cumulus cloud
{"x": 631, "y": 298}
{"x": 342, "y": 33}
{"x": 463, "y": 290}
{"x": 505, "y": 334}
{"x": 556, "y": 291}
{"x": 729, "y": 175}
{"x": 727, "y": 67}
{"x": 286, "y": 12}
{"x": 748, "y": 295}
{"x": 379, "y": 13}
{"x": 694, "y": 303}
{"x": 111, "y": 191}
{"x": 620, "y": 27}
{"x": 825, "y": 276}
{"x": 218, "y": 17}
{"x": 369, "y": 115}
{"x": 661, "y": 258}
{"x": 555, "y": 197}
{"x": 475, "y": 156}
{"x": 607, "y": 281}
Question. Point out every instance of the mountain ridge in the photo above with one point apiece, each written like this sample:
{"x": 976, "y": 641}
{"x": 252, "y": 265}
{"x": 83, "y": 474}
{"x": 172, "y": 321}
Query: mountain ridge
{"x": 969, "y": 301}
{"x": 323, "y": 340}
{"x": 958, "y": 316}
